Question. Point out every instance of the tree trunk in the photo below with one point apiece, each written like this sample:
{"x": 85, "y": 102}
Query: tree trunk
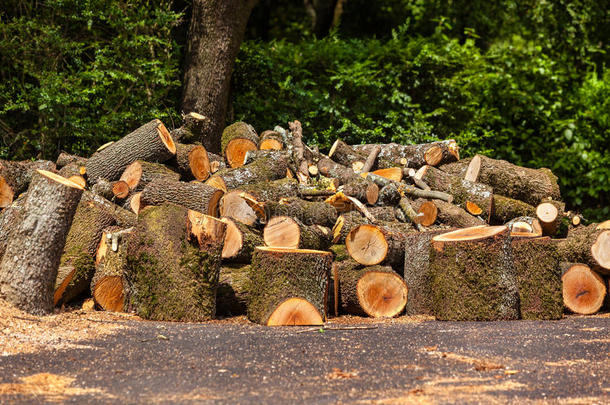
{"x": 9, "y": 220}
{"x": 289, "y": 286}
{"x": 15, "y": 178}
{"x": 216, "y": 30}
{"x": 29, "y": 266}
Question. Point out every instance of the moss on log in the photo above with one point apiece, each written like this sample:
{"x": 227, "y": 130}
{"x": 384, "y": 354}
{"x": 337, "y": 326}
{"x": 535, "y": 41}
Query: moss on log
{"x": 195, "y": 196}
{"x": 506, "y": 208}
{"x": 233, "y": 287}
{"x": 271, "y": 167}
{"x": 308, "y": 212}
{"x": 587, "y": 245}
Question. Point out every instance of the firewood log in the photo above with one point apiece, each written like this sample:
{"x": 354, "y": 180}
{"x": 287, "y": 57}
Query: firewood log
{"x": 108, "y": 286}
{"x": 427, "y": 211}
{"x": 29, "y": 266}
{"x": 288, "y": 286}
{"x": 271, "y": 140}
{"x": 521, "y": 183}
{"x": 583, "y": 290}
{"x": 506, "y": 208}
{"x": 233, "y": 288}
{"x": 290, "y": 233}
{"x": 589, "y": 246}
{"x": 191, "y": 130}
{"x": 253, "y": 155}
{"x": 330, "y": 168}
{"x": 138, "y": 174}
{"x": 240, "y": 241}
{"x": 151, "y": 143}
{"x": 242, "y": 207}
{"x": 74, "y": 173}
{"x": 374, "y": 244}
{"x": 195, "y": 196}
{"x": 308, "y": 212}
{"x": 111, "y": 190}
{"x": 191, "y": 161}
{"x": 454, "y": 216}
{"x": 473, "y": 275}
{"x": 15, "y": 178}
{"x": 524, "y": 227}
{"x": 173, "y": 264}
{"x": 389, "y": 195}
{"x": 390, "y": 173}
{"x": 462, "y": 190}
{"x": 216, "y": 162}
{"x": 433, "y": 154}
{"x": 361, "y": 189}
{"x": 77, "y": 265}
{"x": 538, "y": 278}
{"x": 272, "y": 190}
{"x": 269, "y": 167}
{"x": 344, "y": 154}
{"x": 457, "y": 169}
{"x": 339, "y": 253}
{"x": 386, "y": 214}
{"x": 551, "y": 214}
{"x": 123, "y": 217}
{"x": 236, "y": 140}
{"x": 375, "y": 291}
{"x": 64, "y": 159}
{"x": 345, "y": 223}
{"x": 417, "y": 274}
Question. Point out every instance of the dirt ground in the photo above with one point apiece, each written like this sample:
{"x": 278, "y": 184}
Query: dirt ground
{"x": 85, "y": 356}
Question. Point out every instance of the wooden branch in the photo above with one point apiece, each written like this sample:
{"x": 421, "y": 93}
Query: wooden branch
{"x": 370, "y": 160}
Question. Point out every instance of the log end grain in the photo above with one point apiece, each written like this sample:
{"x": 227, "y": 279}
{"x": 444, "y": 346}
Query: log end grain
{"x": 108, "y": 293}
{"x": 583, "y": 289}
{"x": 382, "y": 294}
{"x": 367, "y": 245}
{"x": 295, "y": 312}
{"x": 600, "y": 250}
{"x": 282, "y": 231}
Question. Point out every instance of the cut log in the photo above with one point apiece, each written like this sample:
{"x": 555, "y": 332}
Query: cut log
{"x": 173, "y": 263}
{"x": 603, "y": 225}
{"x": 332, "y": 169}
{"x": 417, "y": 274}
{"x": 123, "y": 217}
{"x": 236, "y": 140}
{"x": 454, "y": 216}
{"x": 427, "y": 211}
{"x": 550, "y": 214}
{"x": 108, "y": 287}
{"x": 195, "y": 196}
{"x": 253, "y": 155}
{"x": 242, "y": 207}
{"x": 409, "y": 212}
{"x": 371, "y": 159}
{"x": 290, "y": 233}
{"x": 288, "y": 286}
{"x": 390, "y": 173}
{"x": 344, "y": 154}
{"x": 271, "y": 140}
{"x": 29, "y": 266}
{"x": 525, "y": 227}
{"x": 65, "y": 159}
{"x": 77, "y": 265}
{"x": 308, "y": 212}
{"x": 375, "y": 291}
{"x": 74, "y": 173}
{"x": 473, "y": 275}
{"x": 433, "y": 154}
{"x": 457, "y": 169}
{"x": 232, "y": 294}
{"x": 538, "y": 278}
{"x": 589, "y": 246}
{"x": 405, "y": 189}
{"x": 132, "y": 203}
{"x": 385, "y": 214}
{"x": 506, "y": 208}
{"x": 15, "y": 178}
{"x": 103, "y": 188}
{"x": 151, "y": 143}
{"x": 462, "y": 190}
{"x": 529, "y": 185}
{"x": 373, "y": 244}
{"x": 191, "y": 161}
{"x": 192, "y": 128}
{"x": 272, "y": 190}
{"x": 583, "y": 289}
{"x": 361, "y": 189}
{"x": 269, "y": 167}
{"x": 216, "y": 162}
{"x": 345, "y": 223}
{"x": 138, "y": 174}
{"x": 240, "y": 241}
{"x": 389, "y": 195}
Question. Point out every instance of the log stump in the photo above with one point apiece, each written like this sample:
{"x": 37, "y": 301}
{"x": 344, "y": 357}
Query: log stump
{"x": 583, "y": 289}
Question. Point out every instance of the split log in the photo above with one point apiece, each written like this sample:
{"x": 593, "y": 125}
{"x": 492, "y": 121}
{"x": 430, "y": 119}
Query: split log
{"x": 375, "y": 291}
{"x": 29, "y": 266}
{"x": 271, "y": 140}
{"x": 139, "y": 174}
{"x": 240, "y": 241}
{"x": 506, "y": 208}
{"x": 344, "y": 154}
{"x": 332, "y": 169}
{"x": 233, "y": 286}
{"x": 583, "y": 289}
{"x": 288, "y": 286}
{"x": 290, "y": 233}
{"x": 191, "y": 130}
{"x": 308, "y": 212}
{"x": 538, "y": 278}
{"x": 433, "y": 154}
{"x": 77, "y": 265}
{"x": 236, "y": 140}
{"x": 195, "y": 196}
{"x": 361, "y": 189}
{"x": 417, "y": 274}
{"x": 521, "y": 183}
{"x": 462, "y": 190}
{"x": 173, "y": 263}
{"x": 242, "y": 207}
{"x": 527, "y": 227}
{"x": 191, "y": 161}
{"x": 65, "y": 159}
{"x": 374, "y": 244}
{"x": 108, "y": 285}
{"x": 151, "y": 143}
{"x": 132, "y": 203}
{"x": 15, "y": 177}
{"x": 589, "y": 246}
{"x": 270, "y": 167}
{"x": 473, "y": 275}
{"x": 454, "y": 216}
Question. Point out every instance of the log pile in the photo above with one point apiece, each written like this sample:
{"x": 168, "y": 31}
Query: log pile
{"x": 276, "y": 230}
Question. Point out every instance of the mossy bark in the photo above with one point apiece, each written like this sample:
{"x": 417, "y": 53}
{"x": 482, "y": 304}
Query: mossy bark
{"x": 233, "y": 287}
{"x": 308, "y": 212}
{"x": 253, "y": 155}
{"x": 417, "y": 273}
{"x": 538, "y": 278}
{"x": 195, "y": 196}
{"x": 346, "y": 155}
{"x": 29, "y": 266}
{"x": 315, "y": 237}
{"x": 458, "y": 168}
{"x": 272, "y": 190}
{"x": 339, "y": 253}
{"x": 474, "y": 280}
{"x": 506, "y": 208}
{"x": 170, "y": 276}
{"x": 79, "y": 251}
{"x": 576, "y": 248}
{"x": 9, "y": 219}
{"x": 145, "y": 143}
{"x": 123, "y": 217}
{"x": 454, "y": 216}
{"x": 394, "y": 154}
{"x": 277, "y": 275}
{"x": 330, "y": 168}
{"x": 238, "y": 130}
{"x": 264, "y": 169}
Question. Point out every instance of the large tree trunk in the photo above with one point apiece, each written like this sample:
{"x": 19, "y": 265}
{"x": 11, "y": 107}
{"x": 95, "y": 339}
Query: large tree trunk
{"x": 215, "y": 34}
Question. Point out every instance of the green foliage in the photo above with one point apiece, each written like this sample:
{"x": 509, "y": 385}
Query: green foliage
{"x": 75, "y": 74}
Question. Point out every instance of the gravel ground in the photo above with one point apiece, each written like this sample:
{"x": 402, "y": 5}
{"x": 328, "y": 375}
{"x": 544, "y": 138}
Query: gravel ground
{"x": 352, "y": 361}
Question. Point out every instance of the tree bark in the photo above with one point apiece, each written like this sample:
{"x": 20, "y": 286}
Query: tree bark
{"x": 232, "y": 294}
{"x": 216, "y": 30}
{"x": 195, "y": 196}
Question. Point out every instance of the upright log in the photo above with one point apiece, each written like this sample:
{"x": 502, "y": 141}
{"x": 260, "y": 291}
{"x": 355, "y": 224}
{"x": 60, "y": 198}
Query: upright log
{"x": 583, "y": 289}
{"x": 9, "y": 219}
{"x": 195, "y": 196}
{"x": 288, "y": 286}
{"x": 237, "y": 139}
{"x": 29, "y": 266}
{"x": 173, "y": 264}
{"x": 473, "y": 275}
{"x": 192, "y": 127}
{"x": 151, "y": 143}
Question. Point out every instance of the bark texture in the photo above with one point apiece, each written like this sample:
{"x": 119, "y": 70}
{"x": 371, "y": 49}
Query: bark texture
{"x": 506, "y": 208}
{"x": 271, "y": 167}
{"x": 308, "y": 212}
{"x": 15, "y": 178}
{"x": 195, "y": 196}
{"x": 233, "y": 286}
